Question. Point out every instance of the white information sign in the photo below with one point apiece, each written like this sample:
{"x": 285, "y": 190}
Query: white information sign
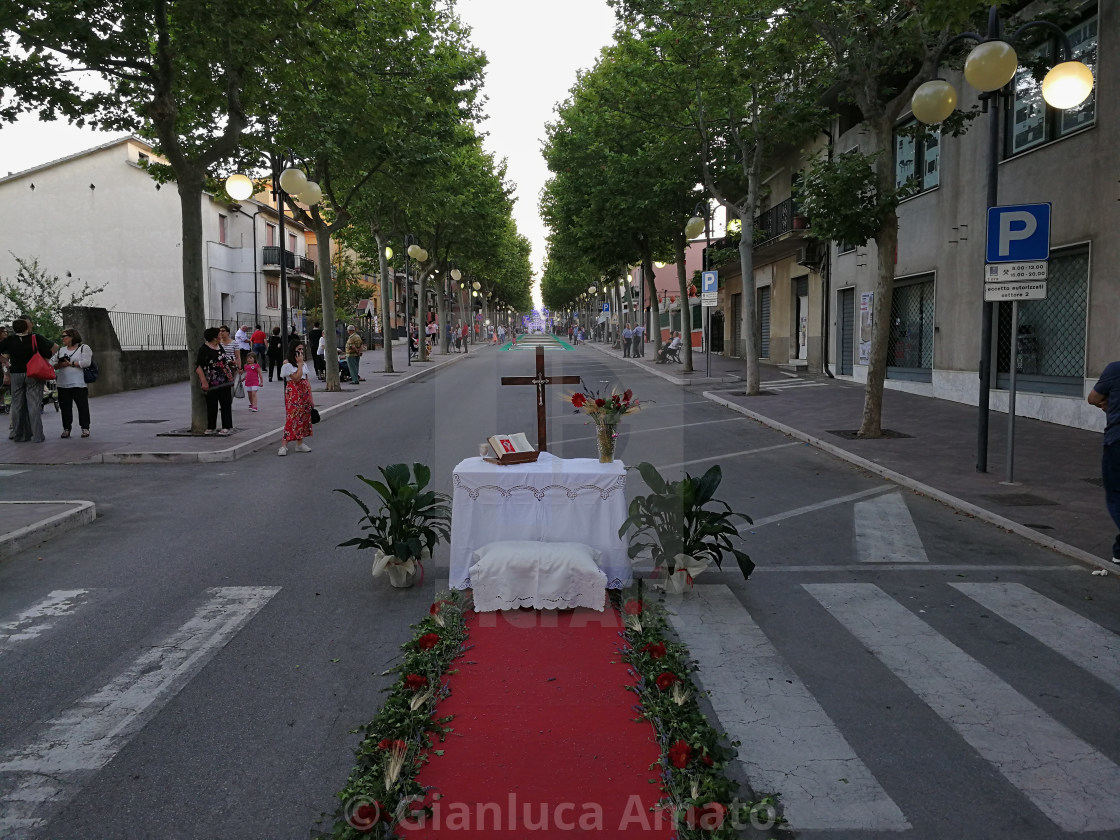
{"x": 709, "y": 298}
{"x": 1014, "y": 291}
{"x": 1004, "y": 272}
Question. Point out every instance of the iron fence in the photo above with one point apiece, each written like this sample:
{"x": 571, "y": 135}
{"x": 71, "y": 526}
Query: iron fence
{"x": 138, "y": 331}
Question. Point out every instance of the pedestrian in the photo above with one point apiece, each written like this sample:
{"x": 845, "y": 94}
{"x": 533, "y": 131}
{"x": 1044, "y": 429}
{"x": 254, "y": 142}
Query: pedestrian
{"x": 230, "y": 347}
{"x": 463, "y": 334}
{"x": 215, "y": 377}
{"x": 275, "y": 352}
{"x": 72, "y": 358}
{"x": 638, "y": 341}
{"x": 627, "y": 335}
{"x": 313, "y": 345}
{"x": 7, "y": 379}
{"x": 298, "y": 401}
{"x": 244, "y": 346}
{"x": 354, "y": 349}
{"x": 27, "y": 391}
{"x": 254, "y": 377}
{"x": 1101, "y": 397}
{"x": 672, "y": 348}
{"x": 321, "y": 356}
{"x": 259, "y": 340}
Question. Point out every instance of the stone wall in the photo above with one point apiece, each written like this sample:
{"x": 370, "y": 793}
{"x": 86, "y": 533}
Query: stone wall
{"x": 120, "y": 370}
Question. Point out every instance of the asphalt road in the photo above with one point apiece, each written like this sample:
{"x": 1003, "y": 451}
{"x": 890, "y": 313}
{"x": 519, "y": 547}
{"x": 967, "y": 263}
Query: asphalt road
{"x": 897, "y": 669}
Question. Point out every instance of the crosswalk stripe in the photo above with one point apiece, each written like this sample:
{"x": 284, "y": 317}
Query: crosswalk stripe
{"x": 1068, "y": 780}
{"x": 87, "y": 736}
{"x": 839, "y": 500}
{"x": 1085, "y": 644}
{"x": 885, "y": 532}
{"x": 789, "y": 742}
{"x": 40, "y": 616}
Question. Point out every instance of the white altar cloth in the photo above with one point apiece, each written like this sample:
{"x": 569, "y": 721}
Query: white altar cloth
{"x": 551, "y": 500}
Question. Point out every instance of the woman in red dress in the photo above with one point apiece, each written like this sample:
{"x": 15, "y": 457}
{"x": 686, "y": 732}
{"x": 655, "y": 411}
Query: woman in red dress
{"x": 297, "y": 399}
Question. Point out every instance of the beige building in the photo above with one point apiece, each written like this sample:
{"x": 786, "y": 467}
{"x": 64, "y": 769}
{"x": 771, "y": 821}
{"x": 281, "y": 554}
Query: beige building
{"x": 814, "y": 298}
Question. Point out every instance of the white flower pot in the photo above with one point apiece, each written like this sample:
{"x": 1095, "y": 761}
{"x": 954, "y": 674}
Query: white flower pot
{"x": 401, "y": 576}
{"x": 676, "y": 583}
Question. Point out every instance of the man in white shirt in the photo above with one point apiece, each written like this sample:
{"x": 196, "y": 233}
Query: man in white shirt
{"x": 244, "y": 346}
{"x": 671, "y": 347}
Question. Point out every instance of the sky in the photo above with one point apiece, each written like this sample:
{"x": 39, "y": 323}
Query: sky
{"x": 534, "y": 49}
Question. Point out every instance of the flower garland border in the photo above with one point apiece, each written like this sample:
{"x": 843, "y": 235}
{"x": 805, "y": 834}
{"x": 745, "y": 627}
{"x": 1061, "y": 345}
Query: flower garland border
{"x": 399, "y": 739}
{"x": 704, "y": 801}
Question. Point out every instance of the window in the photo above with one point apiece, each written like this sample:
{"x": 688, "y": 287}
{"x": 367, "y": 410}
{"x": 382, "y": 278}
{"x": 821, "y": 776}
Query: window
{"x": 272, "y": 292}
{"x": 270, "y": 235}
{"x": 1031, "y": 122}
{"x": 910, "y": 340}
{"x": 141, "y": 158}
{"x": 292, "y": 242}
{"x": 222, "y": 228}
{"x": 917, "y": 157}
{"x": 1050, "y": 346}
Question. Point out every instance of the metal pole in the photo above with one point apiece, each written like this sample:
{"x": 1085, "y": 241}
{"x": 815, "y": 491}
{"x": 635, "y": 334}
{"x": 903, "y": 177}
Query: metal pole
{"x": 278, "y": 194}
{"x": 1011, "y": 393}
{"x": 707, "y": 309}
{"x": 993, "y": 102}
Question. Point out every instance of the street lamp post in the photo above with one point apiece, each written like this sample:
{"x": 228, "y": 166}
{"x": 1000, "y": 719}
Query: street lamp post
{"x": 285, "y": 181}
{"x": 701, "y": 220}
{"x": 990, "y": 68}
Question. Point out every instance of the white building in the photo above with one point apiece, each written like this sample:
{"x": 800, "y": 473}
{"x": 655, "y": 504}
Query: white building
{"x": 99, "y": 218}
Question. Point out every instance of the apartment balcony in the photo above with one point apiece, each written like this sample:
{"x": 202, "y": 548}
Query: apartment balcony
{"x": 295, "y": 264}
{"x": 779, "y": 230}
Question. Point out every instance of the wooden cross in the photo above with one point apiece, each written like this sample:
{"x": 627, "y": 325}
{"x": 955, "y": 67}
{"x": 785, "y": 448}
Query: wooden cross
{"x": 540, "y": 380}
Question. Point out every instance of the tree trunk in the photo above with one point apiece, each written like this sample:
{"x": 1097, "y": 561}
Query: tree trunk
{"x": 326, "y": 285}
{"x": 441, "y": 309}
{"x": 686, "y": 310}
{"x": 654, "y": 306}
{"x": 750, "y": 327}
{"x": 386, "y": 329}
{"x": 190, "y": 184}
{"x": 422, "y": 316}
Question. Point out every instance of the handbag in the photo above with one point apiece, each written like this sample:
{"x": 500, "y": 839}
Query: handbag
{"x": 314, "y": 415}
{"x": 90, "y": 374}
{"x": 239, "y": 387}
{"x": 38, "y": 367}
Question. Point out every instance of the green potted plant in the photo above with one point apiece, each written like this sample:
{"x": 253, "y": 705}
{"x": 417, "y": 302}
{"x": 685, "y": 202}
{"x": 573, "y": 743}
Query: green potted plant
{"x": 679, "y": 529}
{"x": 407, "y": 526}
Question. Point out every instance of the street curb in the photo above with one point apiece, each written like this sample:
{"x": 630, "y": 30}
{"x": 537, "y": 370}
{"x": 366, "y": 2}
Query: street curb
{"x": 925, "y": 489}
{"x": 30, "y": 536}
{"x": 262, "y": 440}
{"x": 676, "y": 380}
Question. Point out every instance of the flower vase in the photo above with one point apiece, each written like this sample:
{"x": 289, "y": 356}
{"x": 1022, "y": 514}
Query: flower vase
{"x": 605, "y": 434}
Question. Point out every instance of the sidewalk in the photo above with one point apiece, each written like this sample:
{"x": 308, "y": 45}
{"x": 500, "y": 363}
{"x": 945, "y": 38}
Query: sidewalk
{"x": 1056, "y": 501}
{"x": 152, "y": 426}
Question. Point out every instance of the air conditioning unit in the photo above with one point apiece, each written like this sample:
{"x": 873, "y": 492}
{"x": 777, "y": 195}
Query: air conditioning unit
{"x": 809, "y": 255}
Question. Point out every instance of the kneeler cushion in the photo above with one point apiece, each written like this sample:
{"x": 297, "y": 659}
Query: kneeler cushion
{"x": 509, "y": 574}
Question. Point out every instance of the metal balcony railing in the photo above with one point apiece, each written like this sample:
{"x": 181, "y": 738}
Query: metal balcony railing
{"x": 270, "y": 256}
{"x": 772, "y": 223}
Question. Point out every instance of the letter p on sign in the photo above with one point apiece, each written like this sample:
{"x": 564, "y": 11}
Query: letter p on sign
{"x": 1019, "y": 233}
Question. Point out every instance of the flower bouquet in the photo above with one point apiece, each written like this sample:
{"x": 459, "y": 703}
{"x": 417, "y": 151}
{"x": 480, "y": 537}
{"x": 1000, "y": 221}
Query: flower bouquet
{"x": 605, "y": 412}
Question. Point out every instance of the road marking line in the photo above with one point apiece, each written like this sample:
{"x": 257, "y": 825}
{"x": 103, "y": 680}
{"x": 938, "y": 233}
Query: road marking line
{"x": 38, "y": 618}
{"x": 88, "y": 735}
{"x": 840, "y": 500}
{"x": 885, "y": 531}
{"x": 976, "y": 568}
{"x": 1067, "y": 779}
{"x": 1085, "y": 644}
{"x": 730, "y": 455}
{"x": 789, "y": 742}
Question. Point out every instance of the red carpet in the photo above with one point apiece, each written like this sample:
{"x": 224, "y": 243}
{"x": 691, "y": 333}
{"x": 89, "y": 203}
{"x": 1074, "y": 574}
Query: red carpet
{"x": 545, "y": 741}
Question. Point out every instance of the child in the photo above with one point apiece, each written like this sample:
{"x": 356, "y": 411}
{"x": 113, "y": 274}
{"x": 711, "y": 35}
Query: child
{"x": 253, "y": 377}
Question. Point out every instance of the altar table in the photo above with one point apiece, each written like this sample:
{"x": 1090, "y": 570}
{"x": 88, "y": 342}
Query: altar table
{"x": 550, "y": 500}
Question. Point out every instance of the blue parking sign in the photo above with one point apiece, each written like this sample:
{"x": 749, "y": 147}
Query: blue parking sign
{"x": 709, "y": 281}
{"x": 1019, "y": 233}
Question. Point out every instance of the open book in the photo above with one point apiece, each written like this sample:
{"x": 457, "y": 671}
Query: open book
{"x": 512, "y": 449}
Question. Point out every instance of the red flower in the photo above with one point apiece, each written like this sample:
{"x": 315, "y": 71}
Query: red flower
{"x": 427, "y": 641}
{"x": 437, "y": 606}
{"x": 627, "y": 395}
{"x": 600, "y": 402}
{"x": 415, "y": 682}
{"x": 707, "y": 759}
{"x": 708, "y": 816}
{"x": 386, "y": 744}
{"x": 632, "y": 607}
{"x": 666, "y": 679}
{"x": 617, "y": 399}
{"x": 655, "y": 649}
{"x": 680, "y": 753}
{"x": 579, "y": 400}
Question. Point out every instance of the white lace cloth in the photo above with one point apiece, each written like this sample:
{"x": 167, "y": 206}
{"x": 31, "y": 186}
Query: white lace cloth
{"x": 551, "y": 500}
{"x": 544, "y": 576}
